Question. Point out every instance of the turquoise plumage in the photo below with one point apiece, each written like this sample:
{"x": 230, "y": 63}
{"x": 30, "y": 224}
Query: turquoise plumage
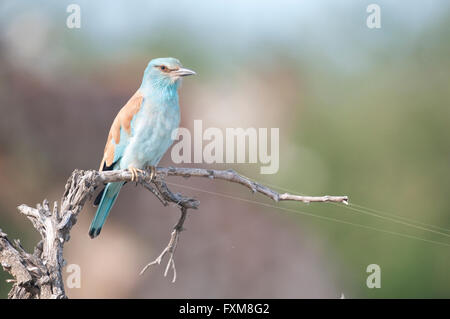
{"x": 141, "y": 132}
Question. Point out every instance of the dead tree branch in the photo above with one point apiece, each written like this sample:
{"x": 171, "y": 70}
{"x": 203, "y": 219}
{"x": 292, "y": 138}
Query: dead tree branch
{"x": 39, "y": 275}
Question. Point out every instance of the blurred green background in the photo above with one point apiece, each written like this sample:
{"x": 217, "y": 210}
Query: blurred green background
{"x": 362, "y": 112}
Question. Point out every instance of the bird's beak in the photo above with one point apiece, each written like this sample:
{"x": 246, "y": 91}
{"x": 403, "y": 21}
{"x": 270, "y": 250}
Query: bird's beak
{"x": 183, "y": 72}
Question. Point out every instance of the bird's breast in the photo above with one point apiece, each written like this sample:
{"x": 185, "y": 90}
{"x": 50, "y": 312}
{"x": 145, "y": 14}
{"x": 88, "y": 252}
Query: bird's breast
{"x": 153, "y": 132}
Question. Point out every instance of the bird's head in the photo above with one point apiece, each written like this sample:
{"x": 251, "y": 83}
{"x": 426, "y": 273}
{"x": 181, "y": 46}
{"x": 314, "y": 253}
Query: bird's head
{"x": 164, "y": 73}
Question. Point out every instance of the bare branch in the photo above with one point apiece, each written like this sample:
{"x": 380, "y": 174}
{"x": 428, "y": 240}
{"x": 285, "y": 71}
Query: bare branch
{"x": 170, "y": 249}
{"x": 226, "y": 175}
{"x": 39, "y": 275}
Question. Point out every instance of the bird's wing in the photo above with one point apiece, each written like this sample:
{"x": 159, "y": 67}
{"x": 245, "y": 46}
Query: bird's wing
{"x": 120, "y": 132}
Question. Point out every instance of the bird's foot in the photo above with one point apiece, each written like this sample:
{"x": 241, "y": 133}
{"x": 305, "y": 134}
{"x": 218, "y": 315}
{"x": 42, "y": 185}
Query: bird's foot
{"x": 152, "y": 172}
{"x": 135, "y": 173}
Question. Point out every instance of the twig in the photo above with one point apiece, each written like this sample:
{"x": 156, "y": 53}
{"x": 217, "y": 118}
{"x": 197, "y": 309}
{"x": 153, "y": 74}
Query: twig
{"x": 171, "y": 247}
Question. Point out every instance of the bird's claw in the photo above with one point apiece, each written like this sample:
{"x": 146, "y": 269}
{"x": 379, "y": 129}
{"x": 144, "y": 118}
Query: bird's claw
{"x": 152, "y": 172}
{"x": 135, "y": 173}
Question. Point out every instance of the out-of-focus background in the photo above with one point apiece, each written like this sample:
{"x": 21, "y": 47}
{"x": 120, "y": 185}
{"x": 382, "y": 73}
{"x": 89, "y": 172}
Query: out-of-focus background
{"x": 362, "y": 112}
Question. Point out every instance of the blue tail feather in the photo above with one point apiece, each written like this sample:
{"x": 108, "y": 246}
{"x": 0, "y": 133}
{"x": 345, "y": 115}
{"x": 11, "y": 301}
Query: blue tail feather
{"x": 108, "y": 198}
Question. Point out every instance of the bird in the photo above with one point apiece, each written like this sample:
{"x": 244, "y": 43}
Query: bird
{"x": 142, "y": 130}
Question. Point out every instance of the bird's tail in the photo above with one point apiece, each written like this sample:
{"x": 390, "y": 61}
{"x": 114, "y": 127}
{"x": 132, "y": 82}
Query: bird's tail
{"x": 108, "y": 198}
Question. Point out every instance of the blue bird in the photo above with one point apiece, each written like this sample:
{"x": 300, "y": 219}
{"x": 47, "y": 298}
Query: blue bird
{"x": 141, "y": 131}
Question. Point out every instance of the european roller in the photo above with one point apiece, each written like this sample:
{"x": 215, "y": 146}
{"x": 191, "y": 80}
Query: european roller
{"x": 141, "y": 132}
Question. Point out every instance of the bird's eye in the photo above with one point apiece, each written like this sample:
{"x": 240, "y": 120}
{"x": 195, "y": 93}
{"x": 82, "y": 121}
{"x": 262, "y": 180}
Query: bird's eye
{"x": 163, "y": 68}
